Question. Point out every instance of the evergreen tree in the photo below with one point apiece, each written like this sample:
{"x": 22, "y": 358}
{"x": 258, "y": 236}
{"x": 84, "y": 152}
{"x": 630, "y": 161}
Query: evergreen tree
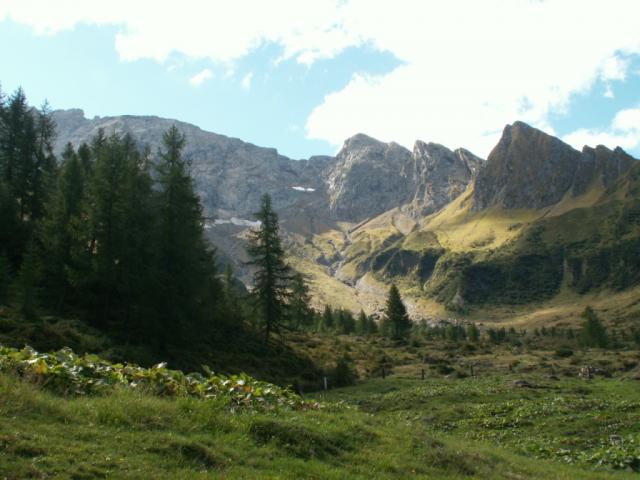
{"x": 229, "y": 282}
{"x": 5, "y": 280}
{"x": 185, "y": 268}
{"x": 362, "y": 323}
{"x": 593, "y": 333}
{"x": 57, "y": 233}
{"x": 473, "y": 334}
{"x": 13, "y": 234}
{"x": 46, "y": 166}
{"x": 396, "y": 320}
{"x": 27, "y": 283}
{"x": 27, "y": 164}
{"x": 300, "y": 313}
{"x": 343, "y": 373}
{"x": 372, "y": 326}
{"x": 345, "y": 322}
{"x": 272, "y": 276}
{"x": 327, "y": 319}
{"x": 106, "y": 230}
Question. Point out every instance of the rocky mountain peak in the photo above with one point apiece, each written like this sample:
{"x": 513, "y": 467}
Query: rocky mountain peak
{"x": 531, "y": 169}
{"x": 439, "y": 175}
{"x": 360, "y": 141}
{"x": 527, "y": 169}
{"x": 368, "y": 178}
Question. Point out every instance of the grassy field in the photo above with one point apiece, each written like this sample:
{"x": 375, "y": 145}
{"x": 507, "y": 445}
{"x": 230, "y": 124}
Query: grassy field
{"x": 382, "y": 429}
{"x": 446, "y": 426}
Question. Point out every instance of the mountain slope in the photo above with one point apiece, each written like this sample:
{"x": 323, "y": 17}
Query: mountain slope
{"x": 457, "y": 233}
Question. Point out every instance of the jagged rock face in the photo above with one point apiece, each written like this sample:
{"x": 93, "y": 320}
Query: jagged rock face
{"x": 601, "y": 163}
{"x": 527, "y": 169}
{"x": 230, "y": 175}
{"x": 368, "y": 178}
{"x": 439, "y": 175}
{"x": 371, "y": 177}
{"x": 530, "y": 169}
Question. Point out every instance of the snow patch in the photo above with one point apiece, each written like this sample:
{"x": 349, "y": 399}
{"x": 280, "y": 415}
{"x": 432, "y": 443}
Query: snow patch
{"x": 304, "y": 189}
{"x": 240, "y": 222}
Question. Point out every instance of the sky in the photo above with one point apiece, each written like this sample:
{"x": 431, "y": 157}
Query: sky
{"x": 302, "y": 76}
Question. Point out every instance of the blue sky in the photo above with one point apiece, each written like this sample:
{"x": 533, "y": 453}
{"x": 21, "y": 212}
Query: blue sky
{"x": 333, "y": 69}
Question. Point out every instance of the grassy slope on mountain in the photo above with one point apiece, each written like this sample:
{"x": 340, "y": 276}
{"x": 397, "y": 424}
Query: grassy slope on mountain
{"x": 494, "y": 261}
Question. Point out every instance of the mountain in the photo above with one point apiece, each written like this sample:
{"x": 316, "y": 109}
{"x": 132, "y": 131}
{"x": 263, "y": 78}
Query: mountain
{"x": 457, "y": 234}
{"x": 530, "y": 169}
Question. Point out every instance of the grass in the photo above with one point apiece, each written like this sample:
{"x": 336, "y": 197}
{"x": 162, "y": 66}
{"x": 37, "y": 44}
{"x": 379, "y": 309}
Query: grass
{"x": 571, "y": 421}
{"x": 132, "y": 435}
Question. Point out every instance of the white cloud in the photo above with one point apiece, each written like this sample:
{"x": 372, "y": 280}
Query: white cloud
{"x": 246, "y": 81}
{"x": 624, "y": 131}
{"x": 200, "y": 77}
{"x": 469, "y": 67}
{"x": 472, "y": 67}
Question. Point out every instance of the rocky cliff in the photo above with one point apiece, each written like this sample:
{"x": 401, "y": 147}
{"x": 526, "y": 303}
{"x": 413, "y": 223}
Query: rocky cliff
{"x": 529, "y": 169}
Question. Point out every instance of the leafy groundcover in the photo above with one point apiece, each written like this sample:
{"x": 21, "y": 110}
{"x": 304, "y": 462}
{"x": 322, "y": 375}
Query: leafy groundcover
{"x": 66, "y": 373}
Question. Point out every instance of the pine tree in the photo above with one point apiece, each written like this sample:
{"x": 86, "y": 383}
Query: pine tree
{"x": 593, "y": 332}
{"x": 229, "y": 282}
{"x": 300, "y": 313}
{"x": 362, "y": 323}
{"x": 396, "y": 320}
{"x": 27, "y": 164}
{"x": 372, "y": 326}
{"x": 327, "y": 319}
{"x": 473, "y": 334}
{"x": 272, "y": 276}
{"x": 27, "y": 283}
{"x": 185, "y": 269}
{"x": 57, "y": 232}
{"x": 106, "y": 230}
{"x": 345, "y": 322}
{"x": 5, "y": 280}
{"x": 13, "y": 234}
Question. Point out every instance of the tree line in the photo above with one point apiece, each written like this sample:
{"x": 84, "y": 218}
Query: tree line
{"x": 105, "y": 233}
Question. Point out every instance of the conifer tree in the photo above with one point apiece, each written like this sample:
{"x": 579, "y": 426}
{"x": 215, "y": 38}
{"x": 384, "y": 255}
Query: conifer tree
{"x": 372, "y": 326}
{"x": 345, "y": 322}
{"x": 362, "y": 323}
{"x": 396, "y": 320}
{"x": 272, "y": 276}
{"x": 106, "y": 229}
{"x": 299, "y": 310}
{"x": 57, "y": 233}
{"x": 27, "y": 283}
{"x": 327, "y": 319}
{"x": 5, "y": 280}
{"x": 13, "y": 234}
{"x": 185, "y": 264}
{"x": 593, "y": 332}
{"x": 473, "y": 334}
{"x": 228, "y": 282}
